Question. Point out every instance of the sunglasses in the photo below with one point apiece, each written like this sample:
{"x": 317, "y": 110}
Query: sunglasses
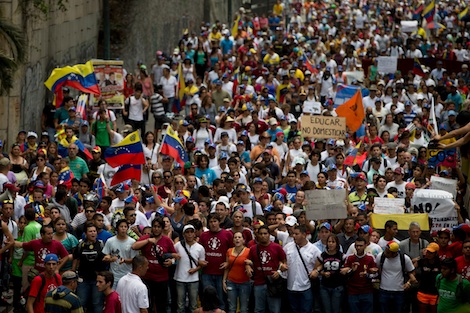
{"x": 179, "y": 182}
{"x": 156, "y": 177}
{"x": 132, "y": 215}
{"x": 167, "y": 176}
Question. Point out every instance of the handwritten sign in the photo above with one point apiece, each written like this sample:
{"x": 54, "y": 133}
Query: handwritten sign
{"x": 446, "y": 184}
{"x": 389, "y": 205}
{"x": 317, "y": 126}
{"x": 387, "y": 65}
{"x": 409, "y": 26}
{"x": 326, "y": 204}
{"x": 438, "y": 204}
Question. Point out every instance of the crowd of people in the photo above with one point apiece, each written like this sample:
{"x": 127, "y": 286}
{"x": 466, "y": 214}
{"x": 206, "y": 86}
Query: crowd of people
{"x": 228, "y": 230}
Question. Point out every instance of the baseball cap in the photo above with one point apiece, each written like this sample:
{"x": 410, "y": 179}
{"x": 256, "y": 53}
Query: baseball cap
{"x": 70, "y": 276}
{"x": 361, "y": 176}
{"x": 326, "y": 225}
{"x": 451, "y": 113}
{"x": 291, "y": 221}
{"x": 410, "y": 185}
{"x": 96, "y": 149}
{"x": 399, "y": 170}
{"x": 331, "y": 167}
{"x": 242, "y": 188}
{"x": 304, "y": 173}
{"x": 366, "y": 229}
{"x": 257, "y": 180}
{"x": 444, "y": 230}
{"x": 187, "y": 227}
{"x": 73, "y": 109}
{"x": 432, "y": 247}
{"x": 393, "y": 246}
{"x": 181, "y": 200}
{"x": 223, "y": 155}
{"x": 51, "y": 257}
{"x": 32, "y": 134}
{"x": 272, "y": 121}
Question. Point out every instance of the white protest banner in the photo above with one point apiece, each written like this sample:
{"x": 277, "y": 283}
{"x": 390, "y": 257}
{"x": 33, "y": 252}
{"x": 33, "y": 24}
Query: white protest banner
{"x": 446, "y": 184}
{"x": 356, "y": 75}
{"x": 387, "y": 65}
{"x": 438, "y": 204}
{"x": 389, "y": 205}
{"x": 326, "y": 204}
{"x": 409, "y": 26}
{"x": 317, "y": 126}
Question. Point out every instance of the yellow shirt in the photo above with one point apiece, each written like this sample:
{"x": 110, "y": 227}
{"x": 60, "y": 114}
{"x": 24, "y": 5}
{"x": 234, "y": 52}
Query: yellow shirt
{"x": 278, "y": 8}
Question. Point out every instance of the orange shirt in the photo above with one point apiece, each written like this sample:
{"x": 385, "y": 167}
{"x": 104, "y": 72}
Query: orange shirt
{"x": 237, "y": 272}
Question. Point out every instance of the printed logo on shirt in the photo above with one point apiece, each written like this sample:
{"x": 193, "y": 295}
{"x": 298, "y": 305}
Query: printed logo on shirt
{"x": 42, "y": 254}
{"x": 265, "y": 257}
{"x": 214, "y": 243}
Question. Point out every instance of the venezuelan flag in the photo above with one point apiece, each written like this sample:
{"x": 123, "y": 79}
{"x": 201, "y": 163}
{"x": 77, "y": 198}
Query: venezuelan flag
{"x": 125, "y": 172}
{"x": 463, "y": 14}
{"x": 351, "y": 159}
{"x": 429, "y": 11}
{"x": 172, "y": 146}
{"x": 309, "y": 65}
{"x": 65, "y": 177}
{"x": 417, "y": 69}
{"x": 181, "y": 100}
{"x": 128, "y": 151}
{"x": 80, "y": 76}
{"x": 99, "y": 187}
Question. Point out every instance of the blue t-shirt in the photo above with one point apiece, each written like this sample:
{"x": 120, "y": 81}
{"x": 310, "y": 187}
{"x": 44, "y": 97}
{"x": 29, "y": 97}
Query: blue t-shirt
{"x": 207, "y": 175}
{"x": 226, "y": 45}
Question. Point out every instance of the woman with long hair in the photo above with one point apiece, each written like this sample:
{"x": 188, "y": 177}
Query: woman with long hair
{"x": 200, "y": 60}
{"x": 208, "y": 108}
{"x": 40, "y": 167}
{"x": 329, "y": 266}
{"x": 203, "y": 172}
{"x": 150, "y": 147}
{"x": 380, "y": 183}
{"x": 69, "y": 241}
{"x": 168, "y": 230}
{"x": 128, "y": 85}
{"x": 226, "y": 125}
{"x": 236, "y": 282}
{"x": 146, "y": 81}
{"x": 429, "y": 266}
{"x": 253, "y": 134}
{"x": 209, "y": 301}
{"x": 322, "y": 179}
{"x": 202, "y": 133}
{"x": 19, "y": 165}
{"x": 52, "y": 152}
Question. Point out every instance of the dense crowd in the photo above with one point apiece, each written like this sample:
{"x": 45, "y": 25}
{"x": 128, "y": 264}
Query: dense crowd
{"x": 228, "y": 229}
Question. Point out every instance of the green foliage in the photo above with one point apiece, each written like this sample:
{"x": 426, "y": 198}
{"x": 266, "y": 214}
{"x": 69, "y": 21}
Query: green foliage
{"x": 10, "y": 60}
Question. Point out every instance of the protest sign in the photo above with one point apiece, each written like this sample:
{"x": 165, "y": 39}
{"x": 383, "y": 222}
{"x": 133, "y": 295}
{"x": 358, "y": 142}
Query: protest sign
{"x": 387, "y": 65}
{"x": 326, "y": 204}
{"x": 409, "y": 26}
{"x": 446, "y": 184}
{"x": 438, "y": 204}
{"x": 344, "y": 93}
{"x": 403, "y": 220}
{"x": 354, "y": 75}
{"x": 389, "y": 205}
{"x": 317, "y": 126}
{"x": 110, "y": 77}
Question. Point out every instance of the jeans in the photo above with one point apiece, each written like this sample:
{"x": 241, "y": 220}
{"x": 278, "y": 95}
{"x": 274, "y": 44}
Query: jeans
{"x": 238, "y": 291}
{"x": 216, "y": 282}
{"x": 87, "y": 291}
{"x": 391, "y": 301}
{"x": 262, "y": 299}
{"x": 331, "y": 298}
{"x": 158, "y": 295}
{"x": 363, "y": 303}
{"x": 169, "y": 105}
{"x": 301, "y": 301}
{"x": 190, "y": 289}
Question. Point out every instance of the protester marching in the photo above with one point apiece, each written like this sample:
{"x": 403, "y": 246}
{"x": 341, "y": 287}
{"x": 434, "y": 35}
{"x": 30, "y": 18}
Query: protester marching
{"x": 313, "y": 158}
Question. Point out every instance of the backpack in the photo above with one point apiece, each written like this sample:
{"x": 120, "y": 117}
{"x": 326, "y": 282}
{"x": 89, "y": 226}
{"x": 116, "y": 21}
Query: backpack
{"x": 459, "y": 291}
{"x": 403, "y": 268}
{"x": 43, "y": 284}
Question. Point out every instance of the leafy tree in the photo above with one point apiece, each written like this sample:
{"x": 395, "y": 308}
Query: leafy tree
{"x": 12, "y": 54}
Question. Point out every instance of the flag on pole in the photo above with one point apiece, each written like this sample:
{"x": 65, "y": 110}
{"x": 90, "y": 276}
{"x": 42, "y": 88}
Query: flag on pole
{"x": 127, "y": 172}
{"x": 353, "y": 111}
{"x": 463, "y": 14}
{"x": 351, "y": 159}
{"x": 128, "y": 151}
{"x": 235, "y": 27}
{"x": 429, "y": 11}
{"x": 180, "y": 98}
{"x": 80, "y": 76}
{"x": 417, "y": 68}
{"x": 81, "y": 106}
{"x": 172, "y": 146}
{"x": 432, "y": 118}
{"x": 99, "y": 187}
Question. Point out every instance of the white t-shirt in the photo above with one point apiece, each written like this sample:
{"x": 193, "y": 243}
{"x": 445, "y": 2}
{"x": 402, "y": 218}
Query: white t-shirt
{"x": 392, "y": 273}
{"x": 297, "y": 278}
{"x": 400, "y": 188}
{"x": 383, "y": 243}
{"x": 248, "y": 208}
{"x": 121, "y": 249}
{"x": 184, "y": 264}
{"x": 109, "y": 113}
{"x": 133, "y": 293}
{"x": 169, "y": 86}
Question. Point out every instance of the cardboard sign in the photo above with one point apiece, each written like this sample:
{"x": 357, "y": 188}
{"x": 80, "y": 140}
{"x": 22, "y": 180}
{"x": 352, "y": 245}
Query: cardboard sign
{"x": 409, "y": 26}
{"x": 446, "y": 184}
{"x": 326, "y": 204}
{"x": 317, "y": 126}
{"x": 387, "y": 65}
{"x": 438, "y": 204}
{"x": 389, "y": 205}
{"x": 110, "y": 77}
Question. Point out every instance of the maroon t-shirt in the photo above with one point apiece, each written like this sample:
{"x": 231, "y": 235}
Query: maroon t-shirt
{"x": 271, "y": 255}
{"x": 216, "y": 246}
{"x": 358, "y": 285}
{"x": 156, "y": 271}
{"x": 42, "y": 249}
{"x": 112, "y": 303}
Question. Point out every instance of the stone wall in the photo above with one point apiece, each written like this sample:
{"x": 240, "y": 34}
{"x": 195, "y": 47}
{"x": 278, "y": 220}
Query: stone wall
{"x": 58, "y": 39}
